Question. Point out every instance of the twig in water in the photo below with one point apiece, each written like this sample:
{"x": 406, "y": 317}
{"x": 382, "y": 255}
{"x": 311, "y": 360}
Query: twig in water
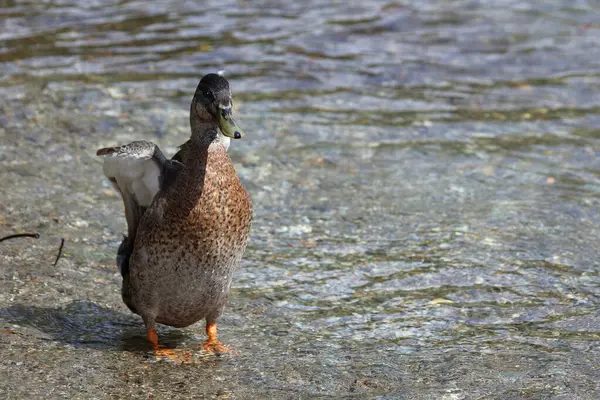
{"x": 18, "y": 235}
{"x": 62, "y": 243}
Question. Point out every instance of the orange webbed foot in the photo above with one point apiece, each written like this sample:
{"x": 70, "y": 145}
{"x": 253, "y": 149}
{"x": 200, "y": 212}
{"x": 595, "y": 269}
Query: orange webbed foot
{"x": 161, "y": 351}
{"x": 212, "y": 345}
{"x": 215, "y": 347}
{"x": 178, "y": 357}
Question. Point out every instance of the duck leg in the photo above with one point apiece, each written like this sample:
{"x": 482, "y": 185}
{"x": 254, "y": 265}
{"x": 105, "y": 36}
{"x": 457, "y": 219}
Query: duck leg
{"x": 159, "y": 349}
{"x": 211, "y": 344}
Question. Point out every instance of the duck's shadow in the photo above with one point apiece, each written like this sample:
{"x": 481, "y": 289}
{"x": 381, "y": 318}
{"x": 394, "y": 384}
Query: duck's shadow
{"x": 86, "y": 324}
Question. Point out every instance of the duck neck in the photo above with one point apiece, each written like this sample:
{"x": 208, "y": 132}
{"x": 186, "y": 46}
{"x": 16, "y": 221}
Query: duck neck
{"x": 203, "y": 132}
{"x": 206, "y": 137}
{"x": 206, "y": 133}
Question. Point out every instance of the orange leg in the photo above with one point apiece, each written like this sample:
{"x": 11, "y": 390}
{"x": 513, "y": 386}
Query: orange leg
{"x": 159, "y": 350}
{"x": 212, "y": 345}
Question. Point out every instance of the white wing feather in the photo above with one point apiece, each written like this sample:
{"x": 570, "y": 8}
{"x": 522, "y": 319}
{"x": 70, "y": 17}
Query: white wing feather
{"x": 135, "y": 173}
{"x": 134, "y": 170}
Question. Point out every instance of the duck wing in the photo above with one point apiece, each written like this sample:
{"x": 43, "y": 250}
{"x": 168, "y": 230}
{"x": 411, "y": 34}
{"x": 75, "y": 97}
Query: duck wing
{"x": 137, "y": 170}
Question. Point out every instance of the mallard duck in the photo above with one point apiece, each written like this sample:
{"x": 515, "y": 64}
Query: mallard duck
{"x": 188, "y": 219}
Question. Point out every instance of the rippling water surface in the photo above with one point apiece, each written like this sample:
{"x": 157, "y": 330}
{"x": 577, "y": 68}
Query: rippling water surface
{"x": 426, "y": 184}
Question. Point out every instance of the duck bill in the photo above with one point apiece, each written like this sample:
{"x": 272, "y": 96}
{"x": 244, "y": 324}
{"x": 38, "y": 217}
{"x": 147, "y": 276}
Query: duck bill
{"x": 228, "y": 125}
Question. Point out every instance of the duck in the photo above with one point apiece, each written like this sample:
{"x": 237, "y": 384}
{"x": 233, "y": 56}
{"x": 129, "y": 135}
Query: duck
{"x": 188, "y": 220}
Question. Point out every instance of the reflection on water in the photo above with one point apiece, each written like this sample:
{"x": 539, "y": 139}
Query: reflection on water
{"x": 425, "y": 177}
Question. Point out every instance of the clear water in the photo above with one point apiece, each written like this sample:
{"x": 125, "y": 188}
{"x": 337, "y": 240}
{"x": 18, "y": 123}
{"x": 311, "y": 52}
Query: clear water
{"x": 426, "y": 185}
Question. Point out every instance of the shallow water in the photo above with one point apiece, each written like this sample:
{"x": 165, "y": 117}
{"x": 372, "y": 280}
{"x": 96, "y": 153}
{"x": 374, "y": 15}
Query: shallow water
{"x": 426, "y": 185}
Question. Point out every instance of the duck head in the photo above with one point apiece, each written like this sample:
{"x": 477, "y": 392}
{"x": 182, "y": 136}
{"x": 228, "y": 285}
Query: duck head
{"x": 212, "y": 104}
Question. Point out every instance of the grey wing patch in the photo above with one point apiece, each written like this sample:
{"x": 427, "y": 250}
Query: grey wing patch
{"x": 178, "y": 156}
{"x": 170, "y": 170}
{"x": 134, "y": 170}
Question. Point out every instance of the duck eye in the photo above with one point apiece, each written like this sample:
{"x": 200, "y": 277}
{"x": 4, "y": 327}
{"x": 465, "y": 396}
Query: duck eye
{"x": 208, "y": 93}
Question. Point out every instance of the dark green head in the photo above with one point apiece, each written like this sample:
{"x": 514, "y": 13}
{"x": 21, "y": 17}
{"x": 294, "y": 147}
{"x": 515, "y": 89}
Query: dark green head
{"x": 212, "y": 101}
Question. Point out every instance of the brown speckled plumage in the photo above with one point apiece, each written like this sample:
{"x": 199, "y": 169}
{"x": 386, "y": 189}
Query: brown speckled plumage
{"x": 189, "y": 242}
{"x": 191, "y": 238}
